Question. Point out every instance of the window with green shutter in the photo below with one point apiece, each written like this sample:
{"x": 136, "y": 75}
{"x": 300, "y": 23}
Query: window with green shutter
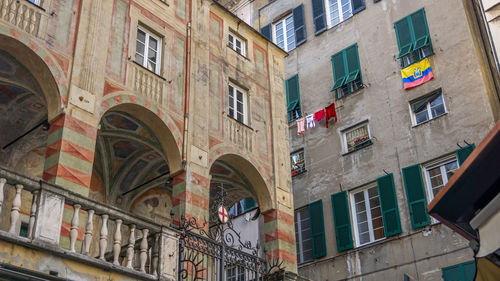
{"x": 342, "y": 221}
{"x": 460, "y": 272}
{"x": 414, "y": 41}
{"x": 389, "y": 205}
{"x": 293, "y": 98}
{"x": 346, "y": 72}
{"x": 317, "y": 229}
{"x": 415, "y": 193}
{"x": 464, "y": 152}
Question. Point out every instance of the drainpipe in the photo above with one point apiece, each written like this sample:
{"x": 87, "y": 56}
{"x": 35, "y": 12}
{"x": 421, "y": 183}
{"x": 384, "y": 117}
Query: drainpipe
{"x": 186, "y": 86}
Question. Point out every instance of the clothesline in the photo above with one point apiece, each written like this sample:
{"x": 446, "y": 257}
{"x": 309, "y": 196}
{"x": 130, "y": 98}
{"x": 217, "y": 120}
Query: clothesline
{"x": 310, "y": 120}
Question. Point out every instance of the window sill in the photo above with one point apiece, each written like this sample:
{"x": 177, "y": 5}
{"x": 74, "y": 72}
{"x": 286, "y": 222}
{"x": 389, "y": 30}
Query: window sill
{"x": 152, "y": 72}
{"x": 239, "y": 122}
{"x": 430, "y": 55}
{"x": 35, "y": 5}
{"x": 349, "y": 94}
{"x": 368, "y": 144}
{"x": 369, "y": 244}
{"x": 245, "y": 57}
{"x": 430, "y": 120}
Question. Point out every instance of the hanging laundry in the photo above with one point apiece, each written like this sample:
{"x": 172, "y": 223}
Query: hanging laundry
{"x": 310, "y": 121}
{"x": 330, "y": 112}
{"x": 300, "y": 126}
{"x": 319, "y": 115}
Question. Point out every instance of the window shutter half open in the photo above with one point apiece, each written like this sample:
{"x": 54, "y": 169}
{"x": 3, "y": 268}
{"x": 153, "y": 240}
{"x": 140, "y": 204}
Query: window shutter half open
{"x": 339, "y": 73}
{"x": 357, "y": 6}
{"x": 292, "y": 92}
{"x": 319, "y": 17}
{"x": 404, "y": 37}
{"x": 415, "y": 193}
{"x": 464, "y": 152}
{"x": 298, "y": 25}
{"x": 389, "y": 205}
{"x": 266, "y": 31}
{"x": 420, "y": 31}
{"x": 353, "y": 68}
{"x": 317, "y": 229}
{"x": 342, "y": 221}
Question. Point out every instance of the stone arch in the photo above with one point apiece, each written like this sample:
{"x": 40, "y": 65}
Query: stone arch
{"x": 261, "y": 188}
{"x": 40, "y": 64}
{"x": 162, "y": 125}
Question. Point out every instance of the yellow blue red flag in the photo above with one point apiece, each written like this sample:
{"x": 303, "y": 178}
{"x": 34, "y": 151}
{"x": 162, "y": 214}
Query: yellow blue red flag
{"x": 417, "y": 74}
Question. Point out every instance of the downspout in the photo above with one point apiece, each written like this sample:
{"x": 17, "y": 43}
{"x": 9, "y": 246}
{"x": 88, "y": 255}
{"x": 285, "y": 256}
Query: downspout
{"x": 186, "y": 86}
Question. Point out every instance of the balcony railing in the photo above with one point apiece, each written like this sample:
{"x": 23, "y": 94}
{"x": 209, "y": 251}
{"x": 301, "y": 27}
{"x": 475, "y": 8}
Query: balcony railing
{"x": 239, "y": 134}
{"x": 148, "y": 253}
{"x": 22, "y": 14}
{"x": 146, "y": 83}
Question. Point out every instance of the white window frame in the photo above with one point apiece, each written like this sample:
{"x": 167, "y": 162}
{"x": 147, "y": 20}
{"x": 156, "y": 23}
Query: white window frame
{"x": 232, "y": 44}
{"x": 36, "y": 2}
{"x": 357, "y": 126}
{"x": 285, "y": 38}
{"x": 299, "y": 171}
{"x": 300, "y": 242}
{"x": 341, "y": 13}
{"x": 429, "y": 112}
{"x": 239, "y": 272}
{"x": 428, "y": 186}
{"x": 235, "y": 103}
{"x": 368, "y": 215}
{"x": 146, "y": 49}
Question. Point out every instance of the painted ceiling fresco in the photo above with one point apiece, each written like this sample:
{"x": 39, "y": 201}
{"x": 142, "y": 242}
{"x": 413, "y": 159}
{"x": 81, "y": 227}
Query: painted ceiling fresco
{"x": 22, "y": 107}
{"x": 233, "y": 181}
{"x": 127, "y": 155}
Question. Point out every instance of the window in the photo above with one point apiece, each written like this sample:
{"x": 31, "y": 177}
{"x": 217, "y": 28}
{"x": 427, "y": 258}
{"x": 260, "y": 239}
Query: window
{"x": 148, "y": 50}
{"x": 338, "y": 11}
{"x": 303, "y": 235}
{"x": 238, "y": 104}
{"x": 298, "y": 163}
{"x": 346, "y": 72}
{"x": 438, "y": 175}
{"x": 242, "y": 207}
{"x": 368, "y": 222}
{"x": 293, "y": 98}
{"x": 23, "y": 231}
{"x": 413, "y": 37}
{"x": 235, "y": 273}
{"x": 357, "y": 137}
{"x": 460, "y": 272}
{"x": 237, "y": 44}
{"x": 36, "y": 2}
{"x": 284, "y": 33}
{"x": 428, "y": 107}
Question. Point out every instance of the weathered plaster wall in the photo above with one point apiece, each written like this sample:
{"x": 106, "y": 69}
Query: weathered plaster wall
{"x": 397, "y": 144}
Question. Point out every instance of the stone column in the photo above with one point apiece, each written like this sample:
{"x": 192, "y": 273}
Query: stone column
{"x": 47, "y": 226}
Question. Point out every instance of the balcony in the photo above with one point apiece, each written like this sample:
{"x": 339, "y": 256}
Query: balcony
{"x": 123, "y": 243}
{"x": 146, "y": 83}
{"x": 22, "y": 14}
{"x": 239, "y": 134}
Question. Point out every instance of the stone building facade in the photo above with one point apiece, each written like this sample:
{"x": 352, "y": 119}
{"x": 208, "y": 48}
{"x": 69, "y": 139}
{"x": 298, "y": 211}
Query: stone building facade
{"x": 130, "y": 112}
{"x": 361, "y": 184}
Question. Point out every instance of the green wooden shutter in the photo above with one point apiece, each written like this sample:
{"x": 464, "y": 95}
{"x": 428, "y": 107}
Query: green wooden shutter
{"x": 317, "y": 229}
{"x": 404, "y": 37}
{"x": 421, "y": 36}
{"x": 460, "y": 272}
{"x": 389, "y": 205}
{"x": 352, "y": 61}
{"x": 339, "y": 72}
{"x": 357, "y": 6}
{"x": 266, "y": 31}
{"x": 249, "y": 203}
{"x": 342, "y": 221}
{"x": 415, "y": 192}
{"x": 464, "y": 152}
{"x": 292, "y": 93}
{"x": 319, "y": 17}
{"x": 298, "y": 25}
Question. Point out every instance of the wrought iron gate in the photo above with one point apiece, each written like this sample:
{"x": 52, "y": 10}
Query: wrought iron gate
{"x": 219, "y": 254}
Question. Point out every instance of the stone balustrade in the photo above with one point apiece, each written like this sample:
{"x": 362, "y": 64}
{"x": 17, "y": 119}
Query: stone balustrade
{"x": 239, "y": 134}
{"x": 22, "y": 14}
{"x": 150, "y": 250}
{"x": 146, "y": 83}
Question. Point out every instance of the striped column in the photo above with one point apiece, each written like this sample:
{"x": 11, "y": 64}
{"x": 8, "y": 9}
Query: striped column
{"x": 70, "y": 154}
{"x": 191, "y": 196}
{"x": 279, "y": 233}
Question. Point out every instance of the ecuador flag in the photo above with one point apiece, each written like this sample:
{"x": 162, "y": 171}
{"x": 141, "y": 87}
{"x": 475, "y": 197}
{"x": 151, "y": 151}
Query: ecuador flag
{"x": 417, "y": 74}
